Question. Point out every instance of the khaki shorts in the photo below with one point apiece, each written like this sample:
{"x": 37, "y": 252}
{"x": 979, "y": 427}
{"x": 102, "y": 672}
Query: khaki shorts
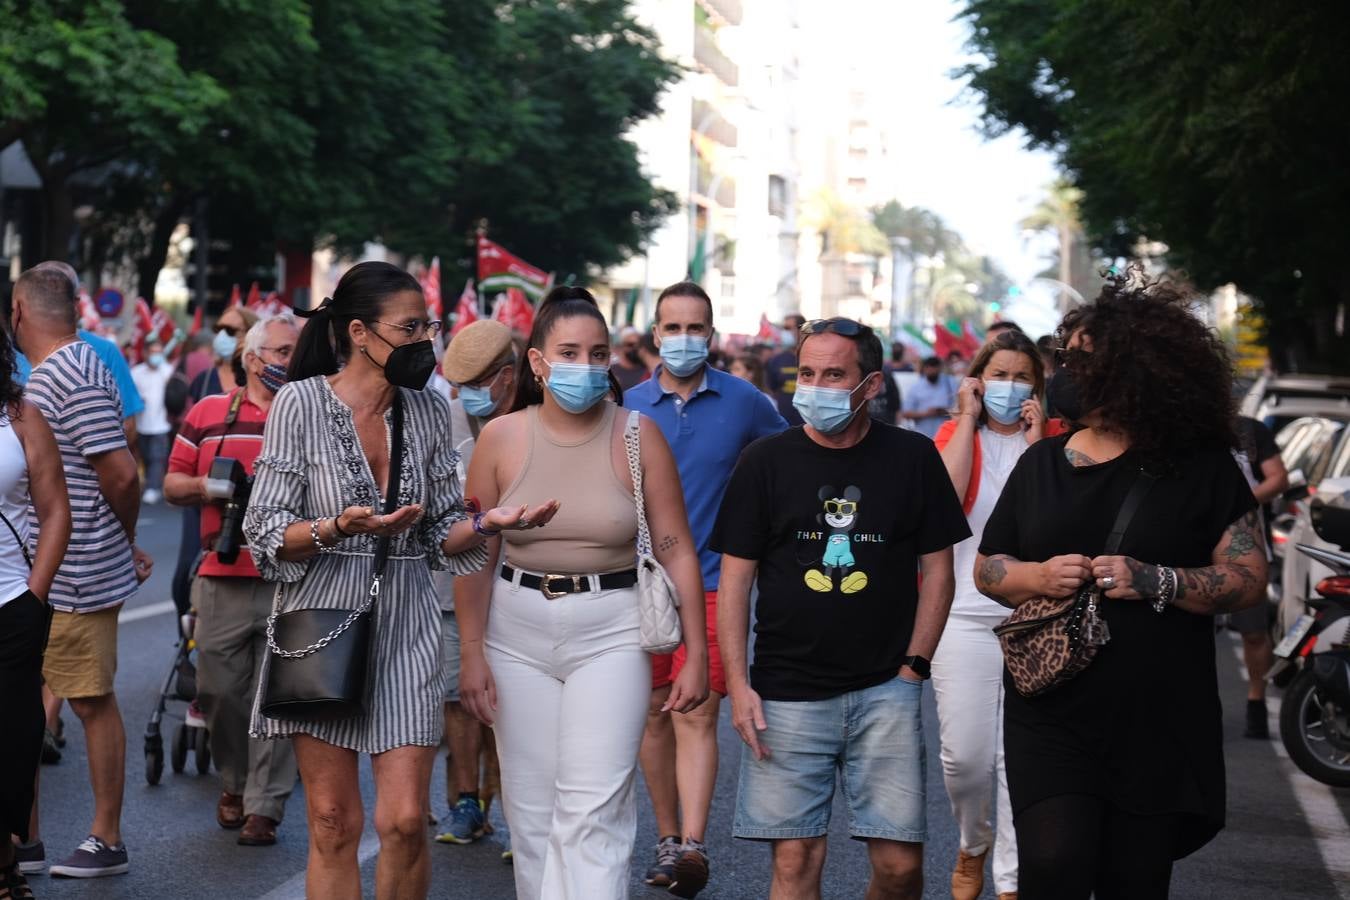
{"x": 81, "y": 655}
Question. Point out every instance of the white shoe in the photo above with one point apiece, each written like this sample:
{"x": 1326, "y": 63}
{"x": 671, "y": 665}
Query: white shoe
{"x": 151, "y": 496}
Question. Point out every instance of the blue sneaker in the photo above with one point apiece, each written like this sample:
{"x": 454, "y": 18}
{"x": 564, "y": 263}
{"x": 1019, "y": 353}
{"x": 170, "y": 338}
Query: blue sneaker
{"x": 466, "y": 824}
{"x": 93, "y": 859}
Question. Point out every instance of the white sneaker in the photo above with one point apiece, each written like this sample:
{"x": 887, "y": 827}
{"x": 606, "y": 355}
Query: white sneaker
{"x": 151, "y": 496}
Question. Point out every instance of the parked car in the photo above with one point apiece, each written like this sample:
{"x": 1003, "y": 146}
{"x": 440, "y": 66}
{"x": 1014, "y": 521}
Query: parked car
{"x": 1276, "y": 413}
{"x": 1271, "y": 391}
{"x": 1326, "y": 476}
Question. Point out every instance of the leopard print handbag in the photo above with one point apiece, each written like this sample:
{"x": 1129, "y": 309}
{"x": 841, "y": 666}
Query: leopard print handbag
{"x": 1047, "y": 641}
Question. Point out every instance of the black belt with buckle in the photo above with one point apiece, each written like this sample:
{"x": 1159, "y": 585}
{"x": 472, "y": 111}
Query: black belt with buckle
{"x": 555, "y": 586}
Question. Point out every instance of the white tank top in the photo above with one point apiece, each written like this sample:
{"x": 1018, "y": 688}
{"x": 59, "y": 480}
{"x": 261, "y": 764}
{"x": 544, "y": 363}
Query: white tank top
{"x": 14, "y": 502}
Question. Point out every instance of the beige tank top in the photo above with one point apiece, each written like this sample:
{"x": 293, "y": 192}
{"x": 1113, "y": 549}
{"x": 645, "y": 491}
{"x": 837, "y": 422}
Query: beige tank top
{"x": 595, "y": 530}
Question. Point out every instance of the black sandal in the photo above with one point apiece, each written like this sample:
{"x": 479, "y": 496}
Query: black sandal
{"x": 13, "y": 886}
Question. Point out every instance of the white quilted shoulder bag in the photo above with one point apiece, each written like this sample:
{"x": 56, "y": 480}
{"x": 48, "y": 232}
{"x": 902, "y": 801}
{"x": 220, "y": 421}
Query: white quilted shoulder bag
{"x": 658, "y": 602}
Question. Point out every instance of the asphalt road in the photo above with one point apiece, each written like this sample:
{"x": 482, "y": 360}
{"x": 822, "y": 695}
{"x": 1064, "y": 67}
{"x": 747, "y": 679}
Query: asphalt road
{"x": 1287, "y": 835}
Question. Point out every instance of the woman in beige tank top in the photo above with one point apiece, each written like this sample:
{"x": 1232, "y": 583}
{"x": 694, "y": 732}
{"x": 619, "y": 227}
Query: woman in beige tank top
{"x": 549, "y": 628}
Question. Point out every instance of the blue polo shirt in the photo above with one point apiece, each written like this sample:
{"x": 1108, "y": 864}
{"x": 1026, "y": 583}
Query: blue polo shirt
{"x": 707, "y": 434}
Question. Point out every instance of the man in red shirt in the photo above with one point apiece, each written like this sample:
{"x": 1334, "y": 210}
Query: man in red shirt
{"x": 231, "y": 599}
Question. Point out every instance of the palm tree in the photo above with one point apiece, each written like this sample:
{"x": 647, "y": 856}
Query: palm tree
{"x": 914, "y": 233}
{"x": 1059, "y": 212}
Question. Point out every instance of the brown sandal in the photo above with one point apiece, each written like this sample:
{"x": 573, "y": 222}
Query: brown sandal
{"x": 259, "y": 831}
{"x": 230, "y": 810}
{"x": 13, "y": 886}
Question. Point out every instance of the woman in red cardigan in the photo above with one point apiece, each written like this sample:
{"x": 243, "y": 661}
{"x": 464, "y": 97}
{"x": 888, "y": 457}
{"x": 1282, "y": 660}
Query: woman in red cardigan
{"x": 999, "y": 415}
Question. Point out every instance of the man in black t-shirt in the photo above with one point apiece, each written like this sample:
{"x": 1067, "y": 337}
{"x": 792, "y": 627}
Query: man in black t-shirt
{"x": 836, "y": 520}
{"x": 1269, "y": 480}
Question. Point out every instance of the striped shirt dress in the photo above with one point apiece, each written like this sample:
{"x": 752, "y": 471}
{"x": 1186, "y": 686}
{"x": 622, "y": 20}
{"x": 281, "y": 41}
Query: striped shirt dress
{"x": 312, "y": 465}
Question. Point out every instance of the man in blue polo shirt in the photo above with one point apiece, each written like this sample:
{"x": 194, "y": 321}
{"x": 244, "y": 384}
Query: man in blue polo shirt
{"x": 708, "y": 417}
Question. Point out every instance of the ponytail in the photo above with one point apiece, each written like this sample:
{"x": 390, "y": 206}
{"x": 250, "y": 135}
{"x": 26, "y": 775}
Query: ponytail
{"x": 563, "y": 302}
{"x": 324, "y": 344}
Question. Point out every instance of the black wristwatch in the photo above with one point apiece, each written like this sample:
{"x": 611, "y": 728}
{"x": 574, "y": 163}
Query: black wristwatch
{"x": 921, "y": 666}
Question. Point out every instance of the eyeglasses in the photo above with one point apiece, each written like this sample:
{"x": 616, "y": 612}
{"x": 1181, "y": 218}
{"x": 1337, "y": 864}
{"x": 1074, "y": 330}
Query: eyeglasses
{"x": 841, "y": 507}
{"x": 283, "y": 352}
{"x": 838, "y": 325}
{"x": 428, "y": 327}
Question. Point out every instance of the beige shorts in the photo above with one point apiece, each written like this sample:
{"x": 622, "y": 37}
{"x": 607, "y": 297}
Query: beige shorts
{"x": 81, "y": 657}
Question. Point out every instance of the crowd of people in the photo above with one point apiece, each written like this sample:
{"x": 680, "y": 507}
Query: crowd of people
{"x": 470, "y": 538}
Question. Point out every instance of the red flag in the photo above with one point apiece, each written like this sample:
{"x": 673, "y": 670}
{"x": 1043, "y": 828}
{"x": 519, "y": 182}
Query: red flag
{"x": 254, "y": 296}
{"x": 143, "y": 324}
{"x": 514, "y": 311}
{"x": 498, "y": 270}
{"x": 271, "y": 305}
{"x": 236, "y": 299}
{"x": 767, "y": 332}
{"x": 944, "y": 342}
{"x": 161, "y": 326}
{"x": 197, "y": 321}
{"x": 466, "y": 310}
{"x": 431, "y": 290}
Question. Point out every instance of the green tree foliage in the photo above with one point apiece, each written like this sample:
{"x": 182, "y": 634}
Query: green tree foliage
{"x": 1211, "y": 125}
{"x": 410, "y": 122}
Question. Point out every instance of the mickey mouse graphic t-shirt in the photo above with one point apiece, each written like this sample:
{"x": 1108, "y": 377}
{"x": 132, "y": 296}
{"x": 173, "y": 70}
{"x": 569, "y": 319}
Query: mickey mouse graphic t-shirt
{"x": 837, "y": 535}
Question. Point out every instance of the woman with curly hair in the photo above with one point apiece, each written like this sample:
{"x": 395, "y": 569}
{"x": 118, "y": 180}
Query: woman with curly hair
{"x": 31, "y": 475}
{"x": 1118, "y": 772}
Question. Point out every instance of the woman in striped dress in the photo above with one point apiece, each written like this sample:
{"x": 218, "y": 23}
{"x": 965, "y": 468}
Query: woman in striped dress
{"x": 313, "y": 522}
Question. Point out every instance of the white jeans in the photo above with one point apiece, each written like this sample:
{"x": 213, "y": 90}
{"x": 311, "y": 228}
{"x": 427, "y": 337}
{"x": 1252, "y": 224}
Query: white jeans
{"x": 968, "y": 684}
{"x": 572, "y": 693}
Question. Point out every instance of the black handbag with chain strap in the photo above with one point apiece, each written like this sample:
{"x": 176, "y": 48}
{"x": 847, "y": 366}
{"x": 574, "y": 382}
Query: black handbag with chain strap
{"x": 327, "y": 680}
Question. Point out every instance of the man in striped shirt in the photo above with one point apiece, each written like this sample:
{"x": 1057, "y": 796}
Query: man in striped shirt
{"x": 231, "y": 599}
{"x": 78, "y": 396}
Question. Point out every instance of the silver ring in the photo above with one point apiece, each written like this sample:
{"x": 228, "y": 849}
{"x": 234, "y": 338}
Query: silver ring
{"x": 1109, "y": 582}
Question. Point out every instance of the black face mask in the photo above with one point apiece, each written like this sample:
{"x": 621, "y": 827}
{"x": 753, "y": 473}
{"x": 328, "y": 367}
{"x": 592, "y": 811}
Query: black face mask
{"x": 408, "y": 365}
{"x": 1064, "y": 395}
{"x": 632, "y": 357}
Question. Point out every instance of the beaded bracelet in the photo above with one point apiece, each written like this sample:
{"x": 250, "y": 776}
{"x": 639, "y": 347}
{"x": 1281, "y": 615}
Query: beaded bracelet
{"x": 1167, "y": 593}
{"x": 478, "y": 526}
{"x": 314, "y": 536}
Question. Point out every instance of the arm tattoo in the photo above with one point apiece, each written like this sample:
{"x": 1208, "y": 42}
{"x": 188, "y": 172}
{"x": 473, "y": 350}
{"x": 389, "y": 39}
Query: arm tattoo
{"x": 1146, "y": 579}
{"x": 991, "y": 575}
{"x": 668, "y": 543}
{"x": 1242, "y": 537}
{"x": 1078, "y": 459}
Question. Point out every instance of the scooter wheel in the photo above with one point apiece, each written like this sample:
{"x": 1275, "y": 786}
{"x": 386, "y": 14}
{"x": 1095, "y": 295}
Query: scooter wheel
{"x": 1317, "y": 746}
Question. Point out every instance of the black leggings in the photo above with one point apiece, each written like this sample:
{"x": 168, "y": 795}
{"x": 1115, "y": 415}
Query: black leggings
{"x": 1074, "y": 846}
{"x": 23, "y": 633}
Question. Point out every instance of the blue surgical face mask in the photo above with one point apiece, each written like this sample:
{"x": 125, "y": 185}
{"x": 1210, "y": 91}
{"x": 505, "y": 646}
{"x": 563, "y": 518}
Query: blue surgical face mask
{"x": 683, "y": 354}
{"x": 576, "y": 386}
{"x": 223, "y": 344}
{"x": 1003, "y": 400}
{"x": 155, "y": 360}
{"x": 478, "y": 400}
{"x": 827, "y": 410}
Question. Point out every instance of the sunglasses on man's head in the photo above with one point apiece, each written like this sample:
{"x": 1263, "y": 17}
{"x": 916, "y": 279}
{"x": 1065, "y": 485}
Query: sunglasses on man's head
{"x": 838, "y": 325}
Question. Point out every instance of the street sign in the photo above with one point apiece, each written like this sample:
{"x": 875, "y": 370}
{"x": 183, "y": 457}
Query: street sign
{"x": 109, "y": 303}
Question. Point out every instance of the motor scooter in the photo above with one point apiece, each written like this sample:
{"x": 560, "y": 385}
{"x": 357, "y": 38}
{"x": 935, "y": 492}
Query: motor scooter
{"x": 1315, "y": 711}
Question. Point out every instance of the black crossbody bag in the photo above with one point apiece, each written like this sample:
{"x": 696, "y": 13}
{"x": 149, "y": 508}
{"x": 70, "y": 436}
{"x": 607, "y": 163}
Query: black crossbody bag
{"x": 327, "y": 680}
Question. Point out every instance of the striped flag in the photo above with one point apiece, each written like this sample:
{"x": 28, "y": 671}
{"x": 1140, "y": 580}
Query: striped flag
{"x": 431, "y": 290}
{"x": 466, "y": 311}
{"x": 499, "y": 269}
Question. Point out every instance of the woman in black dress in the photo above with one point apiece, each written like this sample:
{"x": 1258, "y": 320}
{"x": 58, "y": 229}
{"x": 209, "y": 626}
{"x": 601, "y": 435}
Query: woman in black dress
{"x": 1119, "y": 772}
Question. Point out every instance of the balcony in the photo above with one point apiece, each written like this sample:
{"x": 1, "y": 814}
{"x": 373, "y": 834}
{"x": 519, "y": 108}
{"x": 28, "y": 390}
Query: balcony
{"x": 704, "y": 119}
{"x": 711, "y": 57}
{"x": 728, "y": 11}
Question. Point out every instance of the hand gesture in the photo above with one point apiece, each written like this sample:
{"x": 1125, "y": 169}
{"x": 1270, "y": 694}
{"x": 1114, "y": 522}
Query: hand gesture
{"x": 689, "y": 689}
{"x": 1062, "y": 576}
{"x": 747, "y": 716}
{"x": 968, "y": 397}
{"x": 143, "y": 562}
{"x": 1034, "y": 415}
{"x": 520, "y": 518}
{"x": 367, "y": 520}
{"x": 477, "y": 687}
{"x": 1123, "y": 578}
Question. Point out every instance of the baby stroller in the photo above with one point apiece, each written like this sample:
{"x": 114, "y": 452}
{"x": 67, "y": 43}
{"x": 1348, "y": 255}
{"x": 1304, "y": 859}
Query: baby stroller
{"x": 191, "y": 735}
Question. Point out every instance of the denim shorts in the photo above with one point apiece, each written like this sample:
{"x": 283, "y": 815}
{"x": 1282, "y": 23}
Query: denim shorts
{"x": 871, "y": 740}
